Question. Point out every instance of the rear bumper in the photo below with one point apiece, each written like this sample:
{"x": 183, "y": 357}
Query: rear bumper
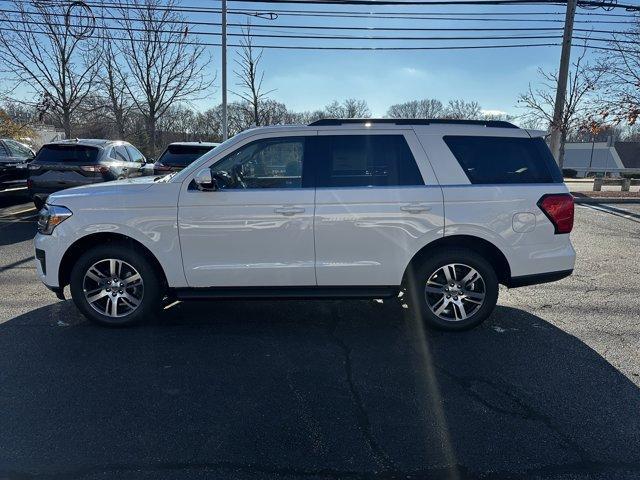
{"x": 537, "y": 278}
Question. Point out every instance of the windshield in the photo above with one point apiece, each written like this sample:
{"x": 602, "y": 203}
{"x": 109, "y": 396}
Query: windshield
{"x": 67, "y": 153}
{"x": 183, "y": 155}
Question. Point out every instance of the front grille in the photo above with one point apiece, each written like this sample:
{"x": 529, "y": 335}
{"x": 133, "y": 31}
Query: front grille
{"x": 40, "y": 256}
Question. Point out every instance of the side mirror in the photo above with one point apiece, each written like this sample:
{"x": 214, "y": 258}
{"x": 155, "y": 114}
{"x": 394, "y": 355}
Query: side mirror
{"x": 150, "y": 160}
{"x": 204, "y": 181}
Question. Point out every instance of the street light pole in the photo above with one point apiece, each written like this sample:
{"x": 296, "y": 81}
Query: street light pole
{"x": 225, "y": 127}
{"x": 563, "y": 75}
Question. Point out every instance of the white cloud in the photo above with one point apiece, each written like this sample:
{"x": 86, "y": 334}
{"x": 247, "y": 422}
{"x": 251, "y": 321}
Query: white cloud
{"x": 494, "y": 112}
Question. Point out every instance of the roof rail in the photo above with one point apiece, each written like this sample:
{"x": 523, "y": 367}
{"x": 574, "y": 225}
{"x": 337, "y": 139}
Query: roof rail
{"x": 411, "y": 121}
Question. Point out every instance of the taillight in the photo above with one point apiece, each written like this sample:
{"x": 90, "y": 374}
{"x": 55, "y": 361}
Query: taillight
{"x": 94, "y": 168}
{"x": 558, "y": 207}
{"x": 29, "y": 183}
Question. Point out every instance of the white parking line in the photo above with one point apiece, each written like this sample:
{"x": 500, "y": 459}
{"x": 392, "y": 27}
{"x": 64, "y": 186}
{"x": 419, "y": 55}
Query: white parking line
{"x": 11, "y": 214}
{"x": 618, "y": 212}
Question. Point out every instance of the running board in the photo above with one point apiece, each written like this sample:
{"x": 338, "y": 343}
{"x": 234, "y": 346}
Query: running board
{"x": 311, "y": 292}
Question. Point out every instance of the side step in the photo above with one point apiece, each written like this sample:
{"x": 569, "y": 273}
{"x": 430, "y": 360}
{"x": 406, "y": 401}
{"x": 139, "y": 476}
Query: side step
{"x": 311, "y": 292}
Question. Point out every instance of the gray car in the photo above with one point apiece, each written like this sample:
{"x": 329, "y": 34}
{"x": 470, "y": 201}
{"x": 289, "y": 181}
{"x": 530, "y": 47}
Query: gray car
{"x": 72, "y": 163}
{"x": 14, "y": 160}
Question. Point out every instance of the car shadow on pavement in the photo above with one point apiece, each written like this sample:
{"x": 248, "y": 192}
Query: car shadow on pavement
{"x": 294, "y": 389}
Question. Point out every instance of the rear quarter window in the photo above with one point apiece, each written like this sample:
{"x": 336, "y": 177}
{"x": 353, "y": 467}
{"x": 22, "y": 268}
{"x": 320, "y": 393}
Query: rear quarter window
{"x": 504, "y": 160}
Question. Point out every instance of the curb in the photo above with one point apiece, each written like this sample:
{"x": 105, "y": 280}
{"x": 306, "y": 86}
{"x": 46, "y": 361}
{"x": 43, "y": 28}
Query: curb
{"x": 591, "y": 200}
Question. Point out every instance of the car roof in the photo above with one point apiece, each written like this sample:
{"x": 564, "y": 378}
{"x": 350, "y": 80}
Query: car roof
{"x": 194, "y": 144}
{"x": 89, "y": 142}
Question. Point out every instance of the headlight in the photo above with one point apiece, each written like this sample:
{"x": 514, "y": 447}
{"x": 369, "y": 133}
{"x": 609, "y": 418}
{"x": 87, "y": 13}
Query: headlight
{"x": 50, "y": 217}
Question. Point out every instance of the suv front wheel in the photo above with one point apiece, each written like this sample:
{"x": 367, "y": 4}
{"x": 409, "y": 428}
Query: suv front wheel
{"x": 454, "y": 290}
{"x": 114, "y": 285}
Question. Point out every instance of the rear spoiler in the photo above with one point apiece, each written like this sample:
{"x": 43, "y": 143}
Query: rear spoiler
{"x": 536, "y": 133}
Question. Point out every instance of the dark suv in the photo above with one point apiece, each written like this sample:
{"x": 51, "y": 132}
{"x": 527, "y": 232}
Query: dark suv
{"x": 180, "y": 154}
{"x": 73, "y": 163}
{"x": 14, "y": 160}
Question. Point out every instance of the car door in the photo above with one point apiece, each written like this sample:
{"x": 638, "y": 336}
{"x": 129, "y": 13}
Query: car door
{"x": 256, "y": 229}
{"x": 377, "y": 203}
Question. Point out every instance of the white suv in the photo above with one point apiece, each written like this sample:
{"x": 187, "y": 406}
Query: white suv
{"x": 339, "y": 208}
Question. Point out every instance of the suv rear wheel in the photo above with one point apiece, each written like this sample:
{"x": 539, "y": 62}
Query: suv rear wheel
{"x": 454, "y": 290}
{"x": 114, "y": 285}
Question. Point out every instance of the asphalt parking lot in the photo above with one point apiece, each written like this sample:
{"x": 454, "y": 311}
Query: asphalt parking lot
{"x": 547, "y": 388}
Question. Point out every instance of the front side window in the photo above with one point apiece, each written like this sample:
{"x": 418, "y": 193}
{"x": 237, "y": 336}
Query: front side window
{"x": 504, "y": 160}
{"x": 366, "y": 160}
{"x": 268, "y": 163}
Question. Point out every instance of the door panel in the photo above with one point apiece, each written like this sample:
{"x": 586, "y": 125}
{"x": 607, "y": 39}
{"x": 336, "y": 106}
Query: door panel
{"x": 247, "y": 237}
{"x": 366, "y": 236}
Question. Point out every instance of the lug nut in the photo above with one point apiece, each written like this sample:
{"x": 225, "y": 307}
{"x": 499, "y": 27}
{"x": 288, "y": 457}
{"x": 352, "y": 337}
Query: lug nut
{"x": 113, "y": 294}
{"x": 448, "y": 296}
{"x": 455, "y": 298}
{"x": 119, "y": 291}
{"x": 108, "y": 289}
{"x": 121, "y": 284}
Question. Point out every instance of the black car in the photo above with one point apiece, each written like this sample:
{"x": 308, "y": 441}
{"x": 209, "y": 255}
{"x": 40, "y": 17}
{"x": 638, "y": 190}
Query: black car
{"x": 14, "y": 160}
{"x": 180, "y": 154}
{"x": 73, "y": 163}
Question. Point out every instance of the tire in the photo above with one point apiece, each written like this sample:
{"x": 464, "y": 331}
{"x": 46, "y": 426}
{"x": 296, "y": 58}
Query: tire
{"x": 136, "y": 299}
{"x": 427, "y": 285}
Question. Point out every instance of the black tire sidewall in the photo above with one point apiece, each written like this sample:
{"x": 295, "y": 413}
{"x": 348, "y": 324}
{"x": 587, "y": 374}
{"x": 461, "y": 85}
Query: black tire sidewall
{"x": 152, "y": 285}
{"x": 431, "y": 264}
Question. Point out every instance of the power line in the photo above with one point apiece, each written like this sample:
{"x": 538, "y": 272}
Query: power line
{"x": 345, "y": 37}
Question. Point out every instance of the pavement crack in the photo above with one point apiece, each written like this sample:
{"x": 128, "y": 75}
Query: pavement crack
{"x": 362, "y": 417}
{"x": 517, "y": 407}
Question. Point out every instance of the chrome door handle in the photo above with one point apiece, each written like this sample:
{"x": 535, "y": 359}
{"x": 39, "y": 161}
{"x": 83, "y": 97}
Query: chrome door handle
{"x": 289, "y": 210}
{"x": 415, "y": 208}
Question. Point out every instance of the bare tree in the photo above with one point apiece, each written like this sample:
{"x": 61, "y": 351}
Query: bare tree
{"x": 539, "y": 102}
{"x": 426, "y": 108}
{"x": 112, "y": 81}
{"x": 463, "y": 110}
{"x": 250, "y": 76}
{"x": 620, "y": 98}
{"x": 41, "y": 52}
{"x": 349, "y": 108}
{"x": 163, "y": 63}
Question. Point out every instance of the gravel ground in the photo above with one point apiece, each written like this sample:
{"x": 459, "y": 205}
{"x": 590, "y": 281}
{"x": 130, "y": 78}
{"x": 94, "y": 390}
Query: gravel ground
{"x": 547, "y": 388}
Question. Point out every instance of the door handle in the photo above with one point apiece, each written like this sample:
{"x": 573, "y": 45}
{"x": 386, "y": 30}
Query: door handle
{"x": 289, "y": 210}
{"x": 415, "y": 208}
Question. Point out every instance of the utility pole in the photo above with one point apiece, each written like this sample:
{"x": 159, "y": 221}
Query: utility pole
{"x": 563, "y": 76}
{"x": 225, "y": 126}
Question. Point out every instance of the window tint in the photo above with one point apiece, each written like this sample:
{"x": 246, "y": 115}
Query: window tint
{"x": 366, "y": 160}
{"x": 269, "y": 163}
{"x": 491, "y": 160}
{"x": 135, "y": 154}
{"x": 182, "y": 155}
{"x": 67, "y": 153}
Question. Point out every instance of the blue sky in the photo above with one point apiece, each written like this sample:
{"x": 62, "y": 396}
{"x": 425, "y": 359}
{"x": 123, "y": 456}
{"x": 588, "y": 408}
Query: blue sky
{"x": 306, "y": 80}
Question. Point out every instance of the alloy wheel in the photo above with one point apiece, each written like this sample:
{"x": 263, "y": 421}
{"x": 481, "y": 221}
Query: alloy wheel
{"x": 113, "y": 287}
{"x": 455, "y": 292}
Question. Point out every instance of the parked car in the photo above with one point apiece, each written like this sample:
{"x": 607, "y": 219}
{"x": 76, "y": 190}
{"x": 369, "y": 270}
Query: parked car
{"x": 180, "y": 154}
{"x": 14, "y": 160}
{"x": 444, "y": 210}
{"x": 72, "y": 163}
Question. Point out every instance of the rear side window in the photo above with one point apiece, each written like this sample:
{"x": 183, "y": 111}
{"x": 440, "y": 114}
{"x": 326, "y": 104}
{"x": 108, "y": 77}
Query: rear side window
{"x": 499, "y": 160}
{"x": 182, "y": 155}
{"x": 366, "y": 160}
{"x": 135, "y": 154}
{"x": 67, "y": 153}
